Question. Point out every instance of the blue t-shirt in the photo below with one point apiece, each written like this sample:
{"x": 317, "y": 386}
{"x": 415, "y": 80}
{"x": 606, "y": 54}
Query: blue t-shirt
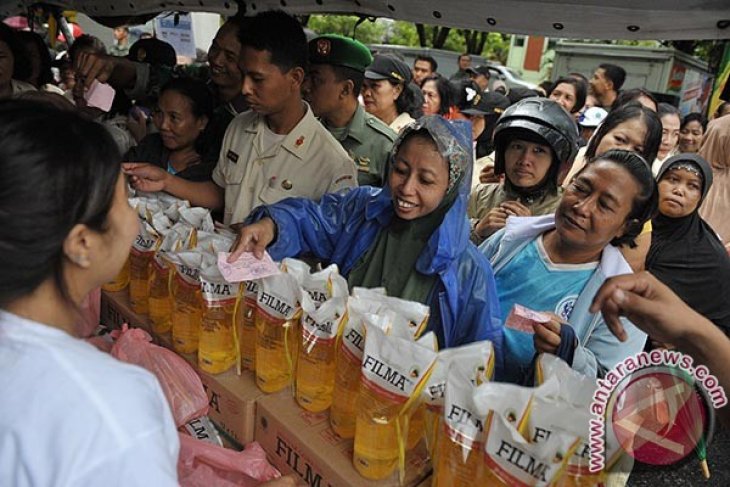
{"x": 532, "y": 280}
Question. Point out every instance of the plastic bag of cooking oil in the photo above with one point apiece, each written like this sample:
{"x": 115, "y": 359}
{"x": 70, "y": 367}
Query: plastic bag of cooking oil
{"x": 548, "y": 416}
{"x": 198, "y": 218}
{"x": 187, "y": 308}
{"x": 458, "y": 458}
{"x": 140, "y": 257}
{"x": 510, "y": 460}
{"x": 173, "y": 209}
{"x": 577, "y": 390}
{"x": 315, "y": 376}
{"x": 212, "y": 242}
{"x": 246, "y": 327}
{"x": 510, "y": 401}
{"x": 477, "y": 357}
{"x": 348, "y": 357}
{"x": 573, "y": 387}
{"x": 394, "y": 372}
{"x": 416, "y": 314}
{"x": 161, "y": 274}
{"x": 278, "y": 307}
{"x": 218, "y": 340}
{"x": 418, "y": 412}
{"x": 322, "y": 285}
{"x": 146, "y": 206}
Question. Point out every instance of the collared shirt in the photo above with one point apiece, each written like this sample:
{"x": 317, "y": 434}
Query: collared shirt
{"x": 401, "y": 121}
{"x": 308, "y": 163}
{"x": 368, "y": 141}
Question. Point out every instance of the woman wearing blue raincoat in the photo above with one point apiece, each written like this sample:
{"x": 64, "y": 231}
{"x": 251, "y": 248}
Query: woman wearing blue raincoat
{"x": 411, "y": 237}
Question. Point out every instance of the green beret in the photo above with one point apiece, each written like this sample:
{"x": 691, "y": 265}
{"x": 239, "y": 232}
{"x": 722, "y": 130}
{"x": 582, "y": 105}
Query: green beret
{"x": 339, "y": 51}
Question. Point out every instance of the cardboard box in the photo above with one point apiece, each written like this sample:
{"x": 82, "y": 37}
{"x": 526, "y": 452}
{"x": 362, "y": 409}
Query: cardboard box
{"x": 302, "y": 443}
{"x": 232, "y": 398}
{"x": 116, "y": 310}
{"x": 233, "y": 404}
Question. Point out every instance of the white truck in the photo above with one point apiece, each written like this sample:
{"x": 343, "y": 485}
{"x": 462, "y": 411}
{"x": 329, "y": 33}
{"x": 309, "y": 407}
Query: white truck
{"x": 671, "y": 75}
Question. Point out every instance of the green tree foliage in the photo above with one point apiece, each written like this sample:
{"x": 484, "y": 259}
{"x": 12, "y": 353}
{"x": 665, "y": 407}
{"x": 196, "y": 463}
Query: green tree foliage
{"x": 491, "y": 45}
{"x": 367, "y": 32}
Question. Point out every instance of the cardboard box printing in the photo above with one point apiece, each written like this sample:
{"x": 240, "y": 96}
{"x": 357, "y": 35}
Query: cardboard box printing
{"x": 302, "y": 443}
{"x": 232, "y": 397}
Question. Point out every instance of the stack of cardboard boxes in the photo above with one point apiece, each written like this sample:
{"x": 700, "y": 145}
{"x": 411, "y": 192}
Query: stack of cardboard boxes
{"x": 296, "y": 441}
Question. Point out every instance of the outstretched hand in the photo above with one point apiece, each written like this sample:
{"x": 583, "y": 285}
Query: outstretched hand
{"x": 253, "y": 238}
{"x": 648, "y": 304}
{"x": 145, "y": 177}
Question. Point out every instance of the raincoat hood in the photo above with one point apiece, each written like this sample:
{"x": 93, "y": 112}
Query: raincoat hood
{"x": 453, "y": 140}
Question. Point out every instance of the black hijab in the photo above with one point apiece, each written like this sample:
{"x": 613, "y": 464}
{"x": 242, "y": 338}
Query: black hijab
{"x": 687, "y": 255}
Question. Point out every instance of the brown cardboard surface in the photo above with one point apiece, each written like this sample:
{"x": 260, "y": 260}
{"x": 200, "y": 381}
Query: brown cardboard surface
{"x": 116, "y": 310}
{"x": 302, "y": 443}
{"x": 232, "y": 398}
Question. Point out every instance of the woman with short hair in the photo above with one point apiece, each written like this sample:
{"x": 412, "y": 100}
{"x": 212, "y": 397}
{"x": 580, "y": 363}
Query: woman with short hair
{"x": 556, "y": 264}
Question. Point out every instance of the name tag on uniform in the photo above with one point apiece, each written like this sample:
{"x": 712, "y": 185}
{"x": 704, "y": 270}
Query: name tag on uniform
{"x": 232, "y": 156}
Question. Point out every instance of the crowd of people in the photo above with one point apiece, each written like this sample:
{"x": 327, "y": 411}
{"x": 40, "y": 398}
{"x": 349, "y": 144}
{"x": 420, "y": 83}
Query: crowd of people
{"x": 458, "y": 193}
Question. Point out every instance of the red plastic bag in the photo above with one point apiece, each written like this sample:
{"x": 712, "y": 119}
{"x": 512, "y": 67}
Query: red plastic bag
{"x": 180, "y": 383}
{"x": 203, "y": 464}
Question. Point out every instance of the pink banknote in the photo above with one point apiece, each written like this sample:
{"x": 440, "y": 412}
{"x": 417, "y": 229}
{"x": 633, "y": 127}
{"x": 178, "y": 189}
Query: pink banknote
{"x": 100, "y": 95}
{"x": 247, "y": 267}
{"x": 525, "y": 319}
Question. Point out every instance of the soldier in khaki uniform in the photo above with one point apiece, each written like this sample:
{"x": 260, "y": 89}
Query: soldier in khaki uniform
{"x": 337, "y": 67}
{"x": 276, "y": 150}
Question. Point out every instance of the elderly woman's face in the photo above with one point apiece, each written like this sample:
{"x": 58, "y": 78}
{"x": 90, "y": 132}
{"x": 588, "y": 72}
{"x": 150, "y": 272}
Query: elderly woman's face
{"x": 418, "y": 179}
{"x": 379, "y": 96}
{"x": 565, "y": 95}
{"x": 7, "y": 60}
{"x": 431, "y": 98}
{"x": 596, "y": 205}
{"x": 680, "y": 192}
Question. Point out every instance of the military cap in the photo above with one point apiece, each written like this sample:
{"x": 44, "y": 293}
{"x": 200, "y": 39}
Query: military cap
{"x": 389, "y": 67}
{"x": 339, "y": 51}
{"x": 471, "y": 100}
{"x": 483, "y": 69}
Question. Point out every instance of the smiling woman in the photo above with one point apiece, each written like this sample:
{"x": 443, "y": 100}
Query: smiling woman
{"x": 410, "y": 236}
{"x": 556, "y": 263}
{"x": 182, "y": 146}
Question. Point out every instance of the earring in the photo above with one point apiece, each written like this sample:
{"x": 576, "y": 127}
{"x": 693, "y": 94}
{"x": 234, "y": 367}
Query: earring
{"x": 80, "y": 260}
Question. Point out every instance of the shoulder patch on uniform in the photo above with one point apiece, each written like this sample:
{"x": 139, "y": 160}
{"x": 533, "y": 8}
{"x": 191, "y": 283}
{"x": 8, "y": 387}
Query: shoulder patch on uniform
{"x": 232, "y": 156}
{"x": 381, "y": 128}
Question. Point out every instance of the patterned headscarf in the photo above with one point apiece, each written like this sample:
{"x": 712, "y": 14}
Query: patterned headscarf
{"x": 452, "y": 138}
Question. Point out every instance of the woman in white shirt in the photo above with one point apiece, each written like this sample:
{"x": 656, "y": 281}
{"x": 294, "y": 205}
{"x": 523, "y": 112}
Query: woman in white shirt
{"x": 70, "y": 414}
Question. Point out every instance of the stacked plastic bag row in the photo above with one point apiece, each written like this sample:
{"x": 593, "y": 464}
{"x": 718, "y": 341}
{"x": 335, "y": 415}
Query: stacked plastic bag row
{"x": 364, "y": 357}
{"x": 173, "y": 277}
{"x": 503, "y": 434}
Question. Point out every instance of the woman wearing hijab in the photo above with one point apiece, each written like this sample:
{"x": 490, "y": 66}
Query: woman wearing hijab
{"x": 410, "y": 237}
{"x": 685, "y": 252}
{"x": 535, "y": 140}
{"x": 715, "y": 149}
